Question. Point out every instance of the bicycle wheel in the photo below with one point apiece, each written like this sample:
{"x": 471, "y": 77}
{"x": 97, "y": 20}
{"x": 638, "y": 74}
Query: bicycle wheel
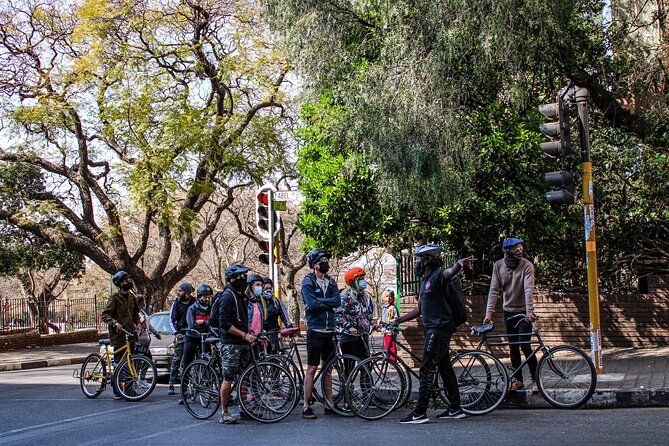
{"x": 338, "y": 369}
{"x": 266, "y": 392}
{"x": 374, "y": 387}
{"x": 200, "y": 386}
{"x": 406, "y": 390}
{"x": 93, "y": 376}
{"x": 482, "y": 382}
{"x": 566, "y": 377}
{"x": 138, "y": 385}
{"x": 288, "y": 364}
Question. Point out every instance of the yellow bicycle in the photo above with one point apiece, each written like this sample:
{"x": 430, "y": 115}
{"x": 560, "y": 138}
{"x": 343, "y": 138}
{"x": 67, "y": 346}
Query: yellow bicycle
{"x": 134, "y": 377}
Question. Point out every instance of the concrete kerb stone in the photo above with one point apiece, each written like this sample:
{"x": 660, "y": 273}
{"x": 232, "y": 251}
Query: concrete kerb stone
{"x": 27, "y": 365}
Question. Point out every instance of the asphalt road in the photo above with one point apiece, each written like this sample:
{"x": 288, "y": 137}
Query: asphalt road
{"x": 46, "y": 406}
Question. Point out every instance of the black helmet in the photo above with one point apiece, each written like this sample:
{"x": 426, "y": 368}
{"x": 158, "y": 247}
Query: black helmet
{"x": 235, "y": 270}
{"x": 253, "y": 278}
{"x": 314, "y": 255}
{"x": 204, "y": 290}
{"x": 119, "y": 277}
{"x": 429, "y": 250}
{"x": 266, "y": 280}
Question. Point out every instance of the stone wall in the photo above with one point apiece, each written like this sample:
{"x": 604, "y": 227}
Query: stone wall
{"x": 631, "y": 320}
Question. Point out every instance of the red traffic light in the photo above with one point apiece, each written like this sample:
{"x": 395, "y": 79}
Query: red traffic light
{"x": 262, "y": 197}
{"x": 264, "y": 245}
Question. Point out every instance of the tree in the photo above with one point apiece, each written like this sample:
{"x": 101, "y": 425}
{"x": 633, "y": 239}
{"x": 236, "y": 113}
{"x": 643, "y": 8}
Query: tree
{"x": 157, "y": 110}
{"x": 42, "y": 268}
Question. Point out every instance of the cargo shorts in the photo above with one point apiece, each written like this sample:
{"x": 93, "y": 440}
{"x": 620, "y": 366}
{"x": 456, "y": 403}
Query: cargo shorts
{"x": 234, "y": 359}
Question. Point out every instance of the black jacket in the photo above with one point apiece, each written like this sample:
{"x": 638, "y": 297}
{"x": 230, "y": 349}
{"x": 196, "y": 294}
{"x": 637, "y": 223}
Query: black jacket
{"x": 232, "y": 311}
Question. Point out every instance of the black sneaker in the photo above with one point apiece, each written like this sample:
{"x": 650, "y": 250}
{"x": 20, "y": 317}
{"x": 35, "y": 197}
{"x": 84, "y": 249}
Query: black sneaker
{"x": 412, "y": 418}
{"x": 451, "y": 415}
{"x": 244, "y": 416}
{"x": 170, "y": 391}
{"x": 328, "y": 411}
{"x": 309, "y": 414}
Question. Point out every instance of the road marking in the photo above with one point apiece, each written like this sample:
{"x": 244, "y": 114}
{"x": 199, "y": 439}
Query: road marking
{"x": 158, "y": 434}
{"x": 68, "y": 420}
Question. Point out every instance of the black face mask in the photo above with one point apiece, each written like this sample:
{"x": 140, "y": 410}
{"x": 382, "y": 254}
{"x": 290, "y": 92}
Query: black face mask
{"x": 127, "y": 286}
{"x": 325, "y": 267}
{"x": 419, "y": 267}
{"x": 239, "y": 285}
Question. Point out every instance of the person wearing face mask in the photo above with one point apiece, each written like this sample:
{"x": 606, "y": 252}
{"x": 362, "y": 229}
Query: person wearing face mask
{"x": 144, "y": 328}
{"x": 437, "y": 316}
{"x": 513, "y": 279}
{"x": 273, "y": 311}
{"x": 121, "y": 313}
{"x": 178, "y": 323}
{"x": 256, "y": 311}
{"x": 197, "y": 318}
{"x": 321, "y": 296}
{"x": 355, "y": 316}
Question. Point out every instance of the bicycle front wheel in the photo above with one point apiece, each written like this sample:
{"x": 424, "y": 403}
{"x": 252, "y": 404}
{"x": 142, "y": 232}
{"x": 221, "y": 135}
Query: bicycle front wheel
{"x": 93, "y": 376}
{"x": 375, "y": 387}
{"x": 266, "y": 392}
{"x": 482, "y": 381}
{"x": 134, "y": 380}
{"x": 200, "y": 386}
{"x": 335, "y": 374}
{"x": 288, "y": 364}
{"x": 566, "y": 377}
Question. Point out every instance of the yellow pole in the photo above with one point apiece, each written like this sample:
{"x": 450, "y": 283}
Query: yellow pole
{"x": 589, "y": 225}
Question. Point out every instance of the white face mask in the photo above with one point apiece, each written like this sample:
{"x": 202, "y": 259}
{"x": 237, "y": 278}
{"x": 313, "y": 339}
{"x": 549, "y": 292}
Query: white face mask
{"x": 362, "y": 284}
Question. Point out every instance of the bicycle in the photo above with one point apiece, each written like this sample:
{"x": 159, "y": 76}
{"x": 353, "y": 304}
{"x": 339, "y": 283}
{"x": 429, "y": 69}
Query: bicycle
{"x": 566, "y": 376}
{"x": 337, "y": 366}
{"x": 382, "y": 383}
{"x": 134, "y": 377}
{"x": 264, "y": 390}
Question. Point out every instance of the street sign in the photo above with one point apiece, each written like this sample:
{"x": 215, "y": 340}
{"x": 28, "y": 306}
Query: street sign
{"x": 278, "y": 205}
{"x": 287, "y": 195}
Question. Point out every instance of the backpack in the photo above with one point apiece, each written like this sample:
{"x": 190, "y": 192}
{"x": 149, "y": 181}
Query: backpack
{"x": 455, "y": 297}
{"x": 213, "y": 313}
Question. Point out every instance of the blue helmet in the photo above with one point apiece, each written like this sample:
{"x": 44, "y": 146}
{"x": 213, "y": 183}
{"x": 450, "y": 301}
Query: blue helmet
{"x": 204, "y": 290}
{"x": 314, "y": 256}
{"x": 235, "y": 270}
{"x": 253, "y": 278}
{"x": 119, "y": 277}
{"x": 429, "y": 250}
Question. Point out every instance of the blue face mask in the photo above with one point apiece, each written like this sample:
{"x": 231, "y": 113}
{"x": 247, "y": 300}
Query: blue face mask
{"x": 362, "y": 284}
{"x": 257, "y": 291}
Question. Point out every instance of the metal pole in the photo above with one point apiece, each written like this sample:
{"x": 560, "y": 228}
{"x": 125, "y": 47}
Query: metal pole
{"x": 582, "y": 95}
{"x": 277, "y": 270}
{"x": 270, "y": 217}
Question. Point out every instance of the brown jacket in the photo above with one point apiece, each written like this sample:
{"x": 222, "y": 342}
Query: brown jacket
{"x": 125, "y": 311}
{"x": 515, "y": 285}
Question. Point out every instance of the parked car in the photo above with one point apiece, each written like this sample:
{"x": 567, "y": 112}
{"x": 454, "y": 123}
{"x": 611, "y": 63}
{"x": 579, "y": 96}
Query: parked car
{"x": 162, "y": 350}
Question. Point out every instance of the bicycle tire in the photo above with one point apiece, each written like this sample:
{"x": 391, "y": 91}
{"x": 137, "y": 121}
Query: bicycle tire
{"x": 288, "y": 363}
{"x": 336, "y": 367}
{"x": 375, "y": 387}
{"x": 200, "y": 387}
{"x": 566, "y": 377}
{"x": 93, "y": 376}
{"x": 406, "y": 391}
{"x": 266, "y": 392}
{"x": 482, "y": 382}
{"x": 137, "y": 386}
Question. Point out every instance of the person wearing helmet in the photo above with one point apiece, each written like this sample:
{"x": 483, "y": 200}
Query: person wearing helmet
{"x": 437, "y": 321}
{"x": 273, "y": 310}
{"x": 255, "y": 310}
{"x": 513, "y": 278}
{"x": 355, "y": 316}
{"x": 177, "y": 323}
{"x": 233, "y": 320}
{"x": 121, "y": 313}
{"x": 197, "y": 318}
{"x": 321, "y": 296}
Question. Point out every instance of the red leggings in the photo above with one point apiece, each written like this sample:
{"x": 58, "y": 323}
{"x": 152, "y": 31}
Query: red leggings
{"x": 393, "y": 347}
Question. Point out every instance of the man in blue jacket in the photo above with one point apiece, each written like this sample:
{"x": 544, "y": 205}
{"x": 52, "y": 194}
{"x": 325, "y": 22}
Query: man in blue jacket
{"x": 321, "y": 296}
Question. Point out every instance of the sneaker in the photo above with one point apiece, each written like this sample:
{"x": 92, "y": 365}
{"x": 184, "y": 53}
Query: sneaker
{"x": 118, "y": 397}
{"x": 517, "y": 385}
{"x": 309, "y": 413}
{"x": 227, "y": 418}
{"x": 180, "y": 401}
{"x": 328, "y": 410}
{"x": 244, "y": 416}
{"x": 451, "y": 415}
{"x": 412, "y": 418}
{"x": 170, "y": 391}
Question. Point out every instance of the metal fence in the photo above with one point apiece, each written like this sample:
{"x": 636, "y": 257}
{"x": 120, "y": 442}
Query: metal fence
{"x": 66, "y": 315}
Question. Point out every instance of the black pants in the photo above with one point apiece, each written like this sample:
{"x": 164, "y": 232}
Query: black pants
{"x": 191, "y": 348}
{"x": 436, "y": 357}
{"x": 356, "y": 347}
{"x": 520, "y": 333}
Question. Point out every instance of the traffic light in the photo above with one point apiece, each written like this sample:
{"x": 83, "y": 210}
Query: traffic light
{"x": 559, "y": 147}
{"x": 263, "y": 213}
{"x": 264, "y": 257}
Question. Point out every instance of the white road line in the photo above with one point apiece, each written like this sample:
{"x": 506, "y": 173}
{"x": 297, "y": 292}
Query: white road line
{"x": 158, "y": 434}
{"x": 68, "y": 420}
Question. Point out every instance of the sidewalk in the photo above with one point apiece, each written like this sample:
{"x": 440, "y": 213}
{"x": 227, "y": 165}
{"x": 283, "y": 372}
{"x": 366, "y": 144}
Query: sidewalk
{"x": 634, "y": 377}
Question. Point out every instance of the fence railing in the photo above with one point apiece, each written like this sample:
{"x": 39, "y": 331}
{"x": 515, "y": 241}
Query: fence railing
{"x": 65, "y": 315}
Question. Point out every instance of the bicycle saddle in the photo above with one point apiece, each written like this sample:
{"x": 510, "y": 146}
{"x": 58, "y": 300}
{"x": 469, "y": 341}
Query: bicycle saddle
{"x": 104, "y": 342}
{"x": 211, "y": 340}
{"x": 483, "y": 329}
{"x": 285, "y": 332}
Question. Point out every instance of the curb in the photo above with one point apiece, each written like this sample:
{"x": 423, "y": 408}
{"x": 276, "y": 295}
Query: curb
{"x": 42, "y": 363}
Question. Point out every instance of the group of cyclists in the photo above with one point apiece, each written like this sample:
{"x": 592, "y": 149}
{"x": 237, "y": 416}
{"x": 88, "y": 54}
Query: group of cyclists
{"x": 247, "y": 308}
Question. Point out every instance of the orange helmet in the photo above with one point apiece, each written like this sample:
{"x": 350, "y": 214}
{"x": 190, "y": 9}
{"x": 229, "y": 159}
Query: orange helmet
{"x": 353, "y": 274}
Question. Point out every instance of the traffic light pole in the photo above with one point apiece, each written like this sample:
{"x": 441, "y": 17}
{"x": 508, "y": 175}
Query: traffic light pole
{"x": 589, "y": 224}
{"x": 270, "y": 204}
